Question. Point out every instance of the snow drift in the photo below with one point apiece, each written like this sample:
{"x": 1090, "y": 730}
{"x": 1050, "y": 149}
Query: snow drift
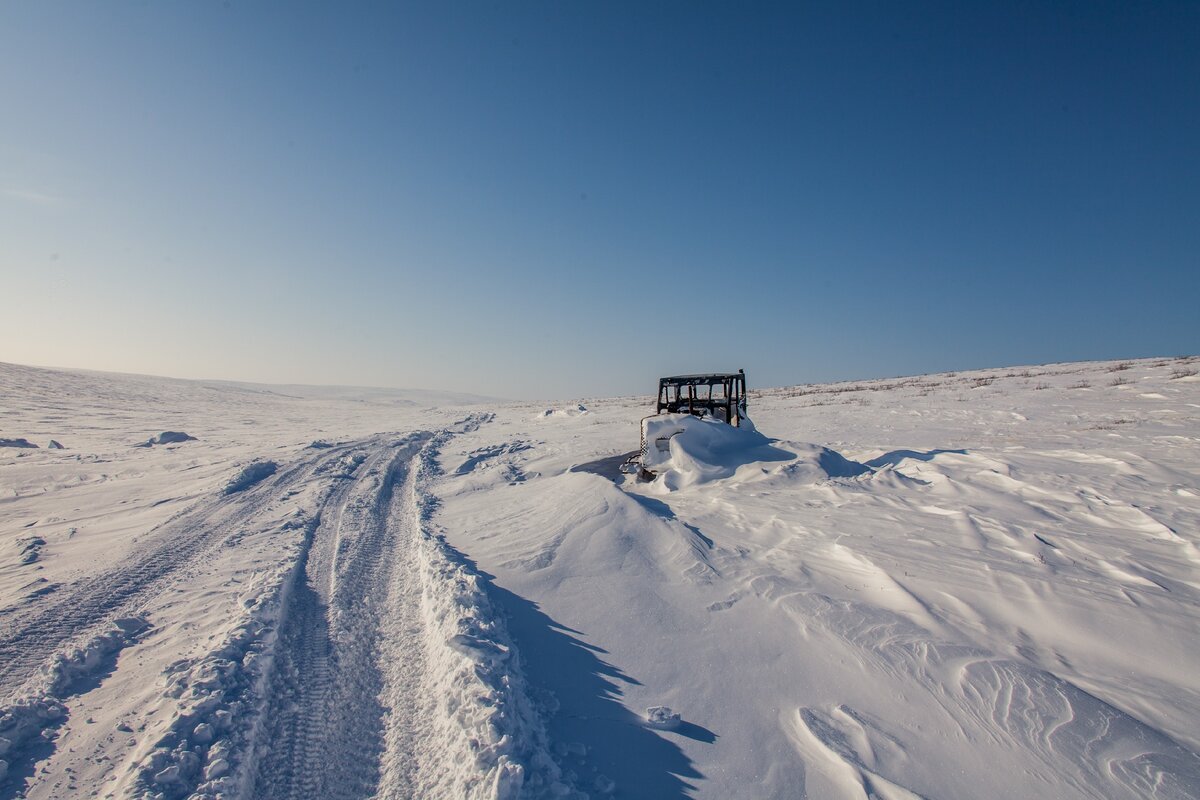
{"x": 683, "y": 450}
{"x": 494, "y": 742}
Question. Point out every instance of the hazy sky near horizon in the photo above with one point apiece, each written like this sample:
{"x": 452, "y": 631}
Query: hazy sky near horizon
{"x": 564, "y": 199}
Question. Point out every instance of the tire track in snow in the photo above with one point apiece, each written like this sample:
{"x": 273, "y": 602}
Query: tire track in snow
{"x": 323, "y": 735}
{"x": 30, "y": 639}
{"x": 405, "y": 634}
{"x": 387, "y": 672}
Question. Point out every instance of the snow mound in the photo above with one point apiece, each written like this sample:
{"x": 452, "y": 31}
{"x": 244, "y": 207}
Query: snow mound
{"x": 683, "y": 450}
{"x": 250, "y": 475}
{"x": 662, "y": 717}
{"x": 168, "y": 437}
{"x": 574, "y": 411}
{"x": 815, "y": 463}
{"x": 31, "y": 548}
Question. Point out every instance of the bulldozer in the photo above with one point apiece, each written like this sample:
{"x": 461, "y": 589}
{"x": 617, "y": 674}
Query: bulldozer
{"x": 720, "y": 396}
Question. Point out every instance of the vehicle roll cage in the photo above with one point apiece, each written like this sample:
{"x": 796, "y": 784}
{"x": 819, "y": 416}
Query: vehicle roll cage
{"x": 694, "y": 394}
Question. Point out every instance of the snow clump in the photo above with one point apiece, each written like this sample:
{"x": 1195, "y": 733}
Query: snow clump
{"x": 167, "y": 437}
{"x": 662, "y": 717}
{"x": 250, "y": 475}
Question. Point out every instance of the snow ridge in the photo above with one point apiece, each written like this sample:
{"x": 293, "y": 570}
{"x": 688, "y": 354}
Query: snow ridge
{"x": 204, "y": 752}
{"x": 38, "y": 711}
{"x": 495, "y": 745}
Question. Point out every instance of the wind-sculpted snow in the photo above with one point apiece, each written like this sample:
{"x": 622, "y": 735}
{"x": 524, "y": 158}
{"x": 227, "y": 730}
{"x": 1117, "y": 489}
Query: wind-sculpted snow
{"x": 1057, "y": 731}
{"x": 953, "y": 586}
{"x": 683, "y": 451}
{"x": 250, "y": 475}
{"x": 492, "y": 743}
{"x": 949, "y": 586}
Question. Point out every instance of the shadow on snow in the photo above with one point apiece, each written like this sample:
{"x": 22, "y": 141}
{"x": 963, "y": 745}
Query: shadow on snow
{"x": 642, "y": 761}
{"x": 896, "y": 456}
{"x": 25, "y": 758}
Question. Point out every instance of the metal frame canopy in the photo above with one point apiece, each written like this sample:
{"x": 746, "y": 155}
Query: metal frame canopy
{"x": 683, "y": 394}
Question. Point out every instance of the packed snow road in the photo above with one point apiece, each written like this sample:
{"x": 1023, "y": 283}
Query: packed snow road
{"x": 272, "y": 640}
{"x": 325, "y": 724}
{"x": 60, "y": 645}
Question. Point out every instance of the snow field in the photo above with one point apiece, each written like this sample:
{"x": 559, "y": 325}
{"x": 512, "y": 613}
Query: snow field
{"x": 947, "y": 586}
{"x": 975, "y": 585}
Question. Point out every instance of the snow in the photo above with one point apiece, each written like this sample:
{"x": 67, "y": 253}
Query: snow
{"x": 486, "y": 717}
{"x": 171, "y": 437}
{"x": 662, "y": 717}
{"x": 684, "y": 451}
{"x": 959, "y": 586}
{"x": 952, "y": 586}
{"x": 571, "y": 411}
{"x": 250, "y": 475}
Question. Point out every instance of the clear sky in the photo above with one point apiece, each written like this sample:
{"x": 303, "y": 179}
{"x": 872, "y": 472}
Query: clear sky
{"x": 563, "y": 199}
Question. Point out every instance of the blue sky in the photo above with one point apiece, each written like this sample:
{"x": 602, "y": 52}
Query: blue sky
{"x": 562, "y": 199}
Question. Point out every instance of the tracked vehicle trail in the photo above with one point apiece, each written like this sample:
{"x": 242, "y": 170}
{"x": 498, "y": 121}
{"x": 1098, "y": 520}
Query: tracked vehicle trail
{"x": 34, "y": 634}
{"x": 326, "y": 690}
{"x": 324, "y": 730}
